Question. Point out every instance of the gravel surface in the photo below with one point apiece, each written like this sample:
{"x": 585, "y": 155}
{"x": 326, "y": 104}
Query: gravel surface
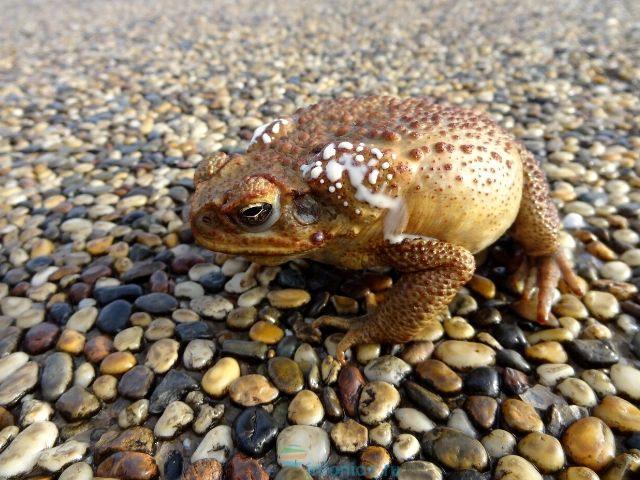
{"x": 126, "y": 351}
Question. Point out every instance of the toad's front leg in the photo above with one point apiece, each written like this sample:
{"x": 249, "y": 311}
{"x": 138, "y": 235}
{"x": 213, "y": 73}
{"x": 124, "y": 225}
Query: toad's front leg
{"x": 432, "y": 273}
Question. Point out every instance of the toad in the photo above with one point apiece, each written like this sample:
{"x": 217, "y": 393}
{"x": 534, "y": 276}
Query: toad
{"x": 383, "y": 181}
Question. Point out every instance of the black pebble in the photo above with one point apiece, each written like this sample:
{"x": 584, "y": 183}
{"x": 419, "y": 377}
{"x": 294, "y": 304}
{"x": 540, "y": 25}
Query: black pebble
{"x": 255, "y": 431}
{"x": 192, "y": 330}
{"x": 106, "y": 295}
{"x": 59, "y": 313}
{"x": 114, "y": 317}
{"x": 156, "y": 303}
{"x": 173, "y": 466}
{"x": 213, "y": 281}
{"x": 510, "y": 336}
{"x": 482, "y": 381}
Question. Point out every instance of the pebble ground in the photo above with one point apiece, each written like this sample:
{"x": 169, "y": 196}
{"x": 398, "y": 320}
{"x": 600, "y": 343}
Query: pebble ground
{"x": 128, "y": 352}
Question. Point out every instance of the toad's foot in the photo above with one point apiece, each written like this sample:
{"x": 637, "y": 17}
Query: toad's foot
{"x": 432, "y": 273}
{"x": 545, "y": 272}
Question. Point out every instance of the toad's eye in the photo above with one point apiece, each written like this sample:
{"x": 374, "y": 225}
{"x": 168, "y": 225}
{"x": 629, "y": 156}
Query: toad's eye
{"x": 257, "y": 216}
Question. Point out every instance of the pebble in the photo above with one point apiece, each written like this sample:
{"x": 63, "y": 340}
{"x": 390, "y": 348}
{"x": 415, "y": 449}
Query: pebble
{"x": 513, "y": 467}
{"x": 590, "y": 443}
{"x": 377, "y": 402}
{"x": 83, "y": 319}
{"x": 173, "y": 386}
{"x": 419, "y": 470}
{"x": 388, "y": 369}
{"x": 156, "y": 303}
{"x": 406, "y": 447}
{"x": 374, "y": 461}
{"x": 465, "y": 356}
{"x": 602, "y": 305}
{"x": 23, "y": 452}
{"x": 498, "y": 443}
{"x": 198, "y": 354}
{"x": 175, "y": 417}
{"x": 618, "y": 414}
{"x": 77, "y": 471}
{"x": 253, "y": 389}
{"x": 217, "y": 379}
{"x": 56, "y": 458}
{"x": 57, "y": 374}
{"x": 349, "y": 436}
{"x": 114, "y": 317}
{"x": 162, "y": 355}
{"x": 134, "y": 414}
{"x": 454, "y": 449}
{"x": 305, "y": 409}
{"x": 413, "y": 420}
{"x": 217, "y": 445}
{"x": 207, "y": 468}
{"x": 11, "y": 363}
{"x": 133, "y": 465}
{"x": 521, "y": 416}
{"x": 77, "y": 404}
{"x": 432, "y": 404}
{"x": 302, "y": 445}
{"x": 544, "y": 451}
{"x": 288, "y": 298}
{"x": 255, "y": 431}
{"x": 626, "y": 380}
{"x": 439, "y": 376}
{"x": 286, "y": 375}
{"x": 18, "y": 383}
{"x": 593, "y": 353}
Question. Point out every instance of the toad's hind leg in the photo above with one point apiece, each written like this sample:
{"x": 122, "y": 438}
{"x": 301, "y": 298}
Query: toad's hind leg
{"x": 536, "y": 228}
{"x": 432, "y": 273}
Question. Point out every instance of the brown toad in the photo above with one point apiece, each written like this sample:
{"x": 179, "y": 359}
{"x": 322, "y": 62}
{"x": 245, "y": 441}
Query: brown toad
{"x": 379, "y": 181}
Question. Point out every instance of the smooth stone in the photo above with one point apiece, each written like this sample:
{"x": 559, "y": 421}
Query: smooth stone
{"x": 217, "y": 445}
{"x": 117, "y": 363}
{"x": 198, "y": 354}
{"x": 521, "y": 416}
{"x": 11, "y": 363}
{"x": 77, "y": 471}
{"x": 71, "y": 342}
{"x": 156, "y": 303}
{"x": 77, "y": 404}
{"x": 18, "y": 383}
{"x": 377, "y": 402}
{"x": 137, "y": 439}
{"x": 349, "y": 436}
{"x": 552, "y": 373}
{"x": 14, "y": 306}
{"x": 559, "y": 417}
{"x": 245, "y": 349}
{"x": 207, "y": 415}
{"x": 205, "y": 469}
{"x": 23, "y": 452}
{"x": 626, "y": 379}
{"x": 266, "y": 332}
{"x": 578, "y": 392}
{"x": 419, "y": 470}
{"x": 174, "y": 385}
{"x": 242, "y": 318}
{"x": 482, "y": 410}
{"x": 217, "y": 379}
{"x": 388, "y": 369}
{"x": 413, "y": 420}
{"x": 465, "y": 356}
{"x": 350, "y": 384}
{"x": 482, "y": 381}
{"x": 454, "y": 449}
{"x": 84, "y": 375}
{"x": 254, "y": 431}
{"x": 498, "y": 443}
{"x": 188, "y": 290}
{"x": 104, "y": 387}
{"x": 432, "y": 404}
{"x": 381, "y": 434}
{"x": 162, "y": 355}
{"x": 305, "y": 409}
{"x": 593, "y": 353}
{"x": 512, "y": 359}
{"x": 288, "y": 298}
{"x": 135, "y": 383}
{"x": 128, "y": 339}
{"x": 83, "y": 319}
{"x": 285, "y": 374}
{"x": 159, "y": 329}
{"x": 193, "y": 330}
{"x": 293, "y": 473}
{"x": 174, "y": 419}
{"x": 510, "y": 336}
{"x": 97, "y": 348}
{"x": 438, "y": 375}
{"x": 599, "y": 381}
{"x": 302, "y": 445}
{"x": 618, "y": 414}
{"x": 114, "y": 317}
{"x": 57, "y": 374}
{"x": 589, "y": 442}
{"x": 544, "y": 451}
{"x": 374, "y": 461}
{"x": 56, "y": 458}
{"x": 513, "y": 467}
{"x": 241, "y": 467}
{"x": 215, "y": 307}
{"x": 134, "y": 414}
{"x": 417, "y": 352}
{"x": 253, "y": 389}
{"x": 602, "y": 305}
{"x": 33, "y": 411}
{"x": 131, "y": 465}
{"x": 578, "y": 473}
{"x": 41, "y": 338}
{"x": 458, "y": 420}
{"x": 546, "y": 352}
{"x": 406, "y": 447}
{"x": 105, "y": 295}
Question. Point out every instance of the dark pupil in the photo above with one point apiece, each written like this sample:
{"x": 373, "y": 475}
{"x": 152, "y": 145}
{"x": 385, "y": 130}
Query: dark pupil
{"x": 256, "y": 214}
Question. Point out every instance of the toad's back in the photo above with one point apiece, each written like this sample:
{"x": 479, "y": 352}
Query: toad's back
{"x": 438, "y": 171}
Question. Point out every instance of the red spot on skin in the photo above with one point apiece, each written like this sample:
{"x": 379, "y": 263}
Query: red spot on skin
{"x": 317, "y": 237}
{"x": 466, "y": 148}
{"x": 459, "y": 178}
{"x": 447, "y": 166}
